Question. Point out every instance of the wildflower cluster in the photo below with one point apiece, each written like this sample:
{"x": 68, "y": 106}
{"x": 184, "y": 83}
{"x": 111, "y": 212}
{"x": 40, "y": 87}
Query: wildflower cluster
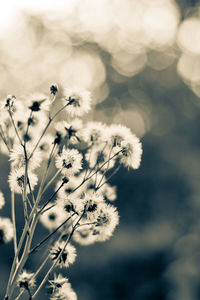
{"x": 46, "y": 149}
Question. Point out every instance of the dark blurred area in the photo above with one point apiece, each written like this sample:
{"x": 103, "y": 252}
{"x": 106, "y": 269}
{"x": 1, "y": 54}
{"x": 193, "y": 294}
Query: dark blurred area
{"x": 141, "y": 59}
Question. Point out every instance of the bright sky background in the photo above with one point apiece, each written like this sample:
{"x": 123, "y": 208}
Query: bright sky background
{"x": 10, "y": 9}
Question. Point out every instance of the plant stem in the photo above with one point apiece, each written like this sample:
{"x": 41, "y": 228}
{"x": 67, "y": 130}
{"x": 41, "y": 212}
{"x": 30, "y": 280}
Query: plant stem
{"x": 14, "y": 224}
{"x": 55, "y": 262}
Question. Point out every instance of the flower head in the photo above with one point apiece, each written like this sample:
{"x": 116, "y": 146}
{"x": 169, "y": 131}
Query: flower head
{"x": 37, "y": 102}
{"x": 6, "y": 230}
{"x": 95, "y": 133}
{"x": 84, "y": 236}
{"x": 17, "y": 157}
{"x": 131, "y": 153}
{"x": 106, "y": 222}
{"x": 78, "y": 101}
{"x": 91, "y": 201}
{"x": 69, "y": 161}
{"x": 70, "y": 132}
{"x": 25, "y": 280}
{"x": 2, "y": 200}
{"x": 62, "y": 290}
{"x": 53, "y": 217}
{"x": 16, "y": 180}
{"x": 68, "y": 255}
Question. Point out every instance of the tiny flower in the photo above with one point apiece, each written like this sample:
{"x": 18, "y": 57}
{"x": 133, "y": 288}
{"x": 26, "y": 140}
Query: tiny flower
{"x": 84, "y": 236}
{"x": 91, "y": 201}
{"x": 6, "y": 230}
{"x": 101, "y": 157}
{"x": 53, "y": 217}
{"x": 78, "y": 101}
{"x": 16, "y": 180}
{"x": 37, "y": 102}
{"x": 71, "y": 204}
{"x": 131, "y": 153}
{"x": 57, "y": 282}
{"x": 65, "y": 292}
{"x": 95, "y": 133}
{"x": 70, "y": 187}
{"x": 68, "y": 255}
{"x": 106, "y": 222}
{"x": 25, "y": 280}
{"x": 17, "y": 157}
{"x": 10, "y": 100}
{"x": 2, "y": 200}
{"x": 69, "y": 161}
{"x": 70, "y": 132}
{"x": 54, "y": 89}
{"x": 117, "y": 134}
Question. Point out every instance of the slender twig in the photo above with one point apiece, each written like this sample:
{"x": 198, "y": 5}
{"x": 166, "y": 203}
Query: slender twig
{"x": 49, "y": 235}
{"x": 15, "y": 128}
{"x": 20, "y": 294}
{"x": 46, "y": 127}
{"x": 105, "y": 171}
{"x": 54, "y": 194}
{"x": 14, "y": 223}
{"x": 57, "y": 259}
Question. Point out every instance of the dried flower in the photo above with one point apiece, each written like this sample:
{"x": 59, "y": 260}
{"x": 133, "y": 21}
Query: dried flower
{"x": 78, "y": 101}
{"x": 68, "y": 255}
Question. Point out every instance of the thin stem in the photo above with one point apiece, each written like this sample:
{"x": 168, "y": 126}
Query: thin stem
{"x": 20, "y": 294}
{"x": 49, "y": 235}
{"x": 14, "y": 224}
{"x": 4, "y": 139}
{"x": 55, "y": 262}
{"x": 50, "y": 181}
{"x": 54, "y": 194}
{"x": 105, "y": 171}
{"x": 46, "y": 127}
{"x": 15, "y": 128}
{"x": 109, "y": 177}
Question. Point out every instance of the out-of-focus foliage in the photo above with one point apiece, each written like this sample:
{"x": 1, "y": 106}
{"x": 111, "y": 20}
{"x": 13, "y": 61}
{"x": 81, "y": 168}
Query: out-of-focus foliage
{"x": 141, "y": 59}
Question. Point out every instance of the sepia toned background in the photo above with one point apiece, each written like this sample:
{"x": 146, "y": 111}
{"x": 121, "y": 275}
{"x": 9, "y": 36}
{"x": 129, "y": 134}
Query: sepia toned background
{"x": 141, "y": 60}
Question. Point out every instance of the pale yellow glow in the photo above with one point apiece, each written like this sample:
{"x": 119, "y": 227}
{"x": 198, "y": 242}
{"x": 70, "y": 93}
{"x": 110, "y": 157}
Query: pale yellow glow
{"x": 189, "y": 68}
{"x": 189, "y": 36}
{"x": 160, "y": 23}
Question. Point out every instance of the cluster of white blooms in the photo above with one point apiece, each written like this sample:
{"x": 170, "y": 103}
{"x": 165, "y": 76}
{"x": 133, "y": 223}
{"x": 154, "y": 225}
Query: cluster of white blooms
{"x": 82, "y": 157}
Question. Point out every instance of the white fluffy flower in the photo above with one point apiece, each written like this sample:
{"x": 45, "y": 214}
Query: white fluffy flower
{"x": 70, "y": 132}
{"x": 57, "y": 282}
{"x": 17, "y": 157}
{"x": 101, "y": 157}
{"x": 25, "y": 280}
{"x": 2, "y": 200}
{"x": 95, "y": 133}
{"x": 63, "y": 291}
{"x": 6, "y": 230}
{"x": 131, "y": 153}
{"x": 53, "y": 217}
{"x": 37, "y": 102}
{"x": 78, "y": 101}
{"x": 107, "y": 220}
{"x": 70, "y": 188}
{"x": 117, "y": 134}
{"x": 84, "y": 236}
{"x": 91, "y": 201}
{"x": 69, "y": 161}
{"x": 68, "y": 255}
{"x": 16, "y": 180}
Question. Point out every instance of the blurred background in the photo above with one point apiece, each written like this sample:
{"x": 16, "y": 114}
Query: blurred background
{"x": 141, "y": 60}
